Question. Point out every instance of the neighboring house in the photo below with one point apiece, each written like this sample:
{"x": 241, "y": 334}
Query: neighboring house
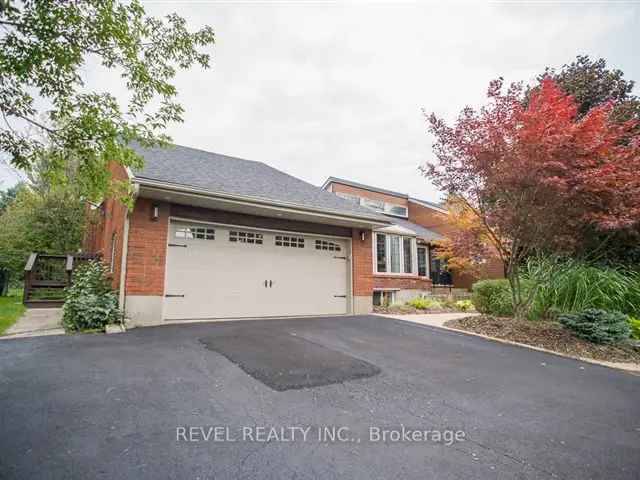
{"x": 428, "y": 220}
{"x": 212, "y": 236}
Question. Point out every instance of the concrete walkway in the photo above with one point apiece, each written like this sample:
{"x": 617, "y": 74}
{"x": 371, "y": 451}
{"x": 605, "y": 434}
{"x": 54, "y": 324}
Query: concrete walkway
{"x": 36, "y": 322}
{"x": 431, "y": 319}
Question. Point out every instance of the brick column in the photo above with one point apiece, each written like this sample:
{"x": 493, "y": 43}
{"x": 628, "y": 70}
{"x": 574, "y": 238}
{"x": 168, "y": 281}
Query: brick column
{"x": 362, "y": 264}
{"x": 146, "y": 263}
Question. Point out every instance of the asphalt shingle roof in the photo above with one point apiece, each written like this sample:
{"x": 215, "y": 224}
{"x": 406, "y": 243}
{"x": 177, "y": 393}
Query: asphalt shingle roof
{"x": 422, "y": 232}
{"x": 235, "y": 176}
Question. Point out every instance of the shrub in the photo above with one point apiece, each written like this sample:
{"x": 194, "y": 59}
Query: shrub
{"x": 423, "y": 303}
{"x": 90, "y": 302}
{"x": 634, "y": 324}
{"x": 597, "y": 326}
{"x": 463, "y": 305}
{"x": 492, "y": 297}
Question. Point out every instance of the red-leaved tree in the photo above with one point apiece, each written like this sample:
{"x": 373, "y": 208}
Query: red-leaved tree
{"x": 536, "y": 176}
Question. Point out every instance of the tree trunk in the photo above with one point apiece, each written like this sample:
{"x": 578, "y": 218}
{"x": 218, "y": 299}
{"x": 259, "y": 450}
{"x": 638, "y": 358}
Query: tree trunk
{"x": 520, "y": 306}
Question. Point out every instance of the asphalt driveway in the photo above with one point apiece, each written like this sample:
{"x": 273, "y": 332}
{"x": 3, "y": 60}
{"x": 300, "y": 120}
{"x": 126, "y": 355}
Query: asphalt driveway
{"x": 184, "y": 402}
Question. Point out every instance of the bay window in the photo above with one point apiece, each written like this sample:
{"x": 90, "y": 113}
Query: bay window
{"x": 394, "y": 254}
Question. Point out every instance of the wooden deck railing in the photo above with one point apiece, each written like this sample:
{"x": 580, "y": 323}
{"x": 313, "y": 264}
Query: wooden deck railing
{"x": 46, "y": 277}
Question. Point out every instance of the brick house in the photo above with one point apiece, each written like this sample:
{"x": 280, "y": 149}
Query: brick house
{"x": 415, "y": 214}
{"x": 212, "y": 236}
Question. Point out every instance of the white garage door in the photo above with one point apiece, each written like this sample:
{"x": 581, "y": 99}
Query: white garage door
{"x": 227, "y": 272}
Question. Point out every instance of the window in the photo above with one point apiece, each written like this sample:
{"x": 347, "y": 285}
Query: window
{"x": 112, "y": 262}
{"x": 377, "y": 205}
{"x": 394, "y": 254}
{"x": 407, "y": 254}
{"x": 384, "y": 298}
{"x": 245, "y": 237}
{"x": 286, "y": 241}
{"x": 201, "y": 233}
{"x": 438, "y": 271}
{"x": 326, "y": 245}
{"x": 397, "y": 210}
{"x": 351, "y": 198}
{"x": 422, "y": 261}
{"x": 381, "y": 253}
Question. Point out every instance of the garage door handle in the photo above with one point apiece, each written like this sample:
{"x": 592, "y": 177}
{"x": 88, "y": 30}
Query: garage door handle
{"x": 177, "y": 245}
{"x": 270, "y": 283}
{"x": 265, "y": 284}
{"x": 340, "y": 296}
{"x": 174, "y": 296}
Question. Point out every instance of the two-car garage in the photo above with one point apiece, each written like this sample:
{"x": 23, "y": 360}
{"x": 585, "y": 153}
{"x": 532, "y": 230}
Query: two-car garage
{"x": 221, "y": 271}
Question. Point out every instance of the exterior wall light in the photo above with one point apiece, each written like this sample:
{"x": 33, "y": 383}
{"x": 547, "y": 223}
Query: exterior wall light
{"x": 155, "y": 212}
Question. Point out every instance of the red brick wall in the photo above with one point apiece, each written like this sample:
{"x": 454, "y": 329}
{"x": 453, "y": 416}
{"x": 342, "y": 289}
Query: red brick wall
{"x": 104, "y": 223}
{"x": 406, "y": 282}
{"x": 437, "y": 222}
{"x": 146, "y": 256}
{"x": 361, "y": 192}
{"x": 147, "y": 249}
{"x": 429, "y": 218}
{"x": 362, "y": 262}
{"x": 492, "y": 269}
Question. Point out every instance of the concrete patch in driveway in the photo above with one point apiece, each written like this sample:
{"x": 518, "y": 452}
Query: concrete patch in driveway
{"x": 288, "y": 362}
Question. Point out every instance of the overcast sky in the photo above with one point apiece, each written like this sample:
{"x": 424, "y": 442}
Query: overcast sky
{"x": 323, "y": 89}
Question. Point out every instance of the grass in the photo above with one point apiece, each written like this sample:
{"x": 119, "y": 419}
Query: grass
{"x": 11, "y": 309}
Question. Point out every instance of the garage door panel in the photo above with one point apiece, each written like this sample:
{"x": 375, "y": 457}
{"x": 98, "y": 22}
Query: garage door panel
{"x": 220, "y": 278}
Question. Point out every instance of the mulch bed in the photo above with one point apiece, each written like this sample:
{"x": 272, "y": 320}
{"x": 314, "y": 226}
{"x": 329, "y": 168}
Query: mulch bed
{"x": 545, "y": 334}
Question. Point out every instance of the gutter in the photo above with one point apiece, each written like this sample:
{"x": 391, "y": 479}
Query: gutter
{"x": 373, "y": 219}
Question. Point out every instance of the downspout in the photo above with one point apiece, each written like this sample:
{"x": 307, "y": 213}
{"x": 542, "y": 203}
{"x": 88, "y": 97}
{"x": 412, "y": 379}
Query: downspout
{"x": 122, "y": 298}
{"x": 123, "y": 263}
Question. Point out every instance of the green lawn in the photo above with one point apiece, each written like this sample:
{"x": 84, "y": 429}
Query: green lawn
{"x": 11, "y": 309}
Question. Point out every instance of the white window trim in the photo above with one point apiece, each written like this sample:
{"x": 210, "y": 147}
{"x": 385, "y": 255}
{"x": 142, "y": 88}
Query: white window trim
{"x": 414, "y": 256}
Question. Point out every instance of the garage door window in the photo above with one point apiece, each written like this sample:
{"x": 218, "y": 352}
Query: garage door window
{"x": 326, "y": 245}
{"x": 192, "y": 232}
{"x": 286, "y": 241}
{"x": 245, "y": 237}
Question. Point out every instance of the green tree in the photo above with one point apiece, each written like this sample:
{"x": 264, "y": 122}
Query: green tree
{"x": 7, "y": 196}
{"x": 592, "y": 84}
{"x": 46, "y": 105}
{"x": 50, "y": 222}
